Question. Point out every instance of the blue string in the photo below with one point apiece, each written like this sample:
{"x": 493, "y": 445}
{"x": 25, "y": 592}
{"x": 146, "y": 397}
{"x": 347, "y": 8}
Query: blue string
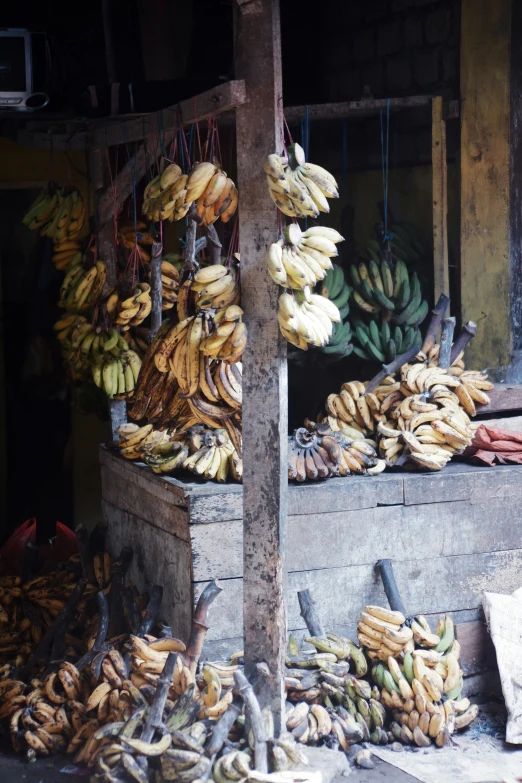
{"x": 160, "y": 129}
{"x": 345, "y": 156}
{"x": 133, "y": 170}
{"x": 305, "y": 133}
{"x": 385, "y": 167}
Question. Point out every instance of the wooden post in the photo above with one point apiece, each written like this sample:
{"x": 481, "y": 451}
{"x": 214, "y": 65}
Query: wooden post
{"x": 107, "y": 252}
{"x": 440, "y": 200}
{"x": 490, "y": 280}
{"x": 156, "y": 289}
{"x": 265, "y": 383}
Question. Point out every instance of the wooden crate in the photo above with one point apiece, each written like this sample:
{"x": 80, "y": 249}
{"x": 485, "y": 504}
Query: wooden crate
{"x": 451, "y": 535}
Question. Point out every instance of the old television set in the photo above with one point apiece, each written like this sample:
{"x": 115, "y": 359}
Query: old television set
{"x": 16, "y": 72}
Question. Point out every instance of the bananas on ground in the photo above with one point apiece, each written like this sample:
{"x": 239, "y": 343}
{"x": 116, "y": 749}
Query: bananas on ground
{"x": 306, "y": 319}
{"x": 297, "y": 188}
{"x": 127, "y": 311}
{"x": 387, "y": 297}
{"x": 59, "y": 216}
{"x": 302, "y": 259}
{"x": 170, "y": 195}
{"x": 169, "y": 285}
{"x": 81, "y": 288}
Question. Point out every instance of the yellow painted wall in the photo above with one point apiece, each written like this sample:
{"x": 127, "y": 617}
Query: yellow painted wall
{"x": 25, "y": 163}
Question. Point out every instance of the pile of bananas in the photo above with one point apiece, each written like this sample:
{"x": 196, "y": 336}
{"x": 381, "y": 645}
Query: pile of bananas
{"x": 82, "y": 287}
{"x": 306, "y": 319}
{"x": 66, "y": 253}
{"x": 302, "y": 259}
{"x": 315, "y": 452}
{"x": 396, "y": 299}
{"x": 355, "y": 410}
{"x": 104, "y": 353}
{"x": 169, "y": 285}
{"x": 170, "y": 195}
{"x": 131, "y": 310}
{"x": 299, "y": 189}
{"x": 59, "y": 216}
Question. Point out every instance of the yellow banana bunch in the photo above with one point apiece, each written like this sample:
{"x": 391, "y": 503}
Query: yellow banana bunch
{"x": 67, "y": 254}
{"x": 216, "y": 288}
{"x": 306, "y": 319}
{"x": 81, "y": 288}
{"x": 215, "y": 457}
{"x": 129, "y": 310}
{"x": 297, "y": 188}
{"x": 59, "y": 216}
{"x": 170, "y": 285}
{"x": 138, "y": 442}
{"x": 302, "y": 258}
{"x": 170, "y": 195}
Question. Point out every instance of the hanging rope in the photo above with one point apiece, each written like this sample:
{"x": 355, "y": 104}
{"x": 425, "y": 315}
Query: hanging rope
{"x": 385, "y": 147}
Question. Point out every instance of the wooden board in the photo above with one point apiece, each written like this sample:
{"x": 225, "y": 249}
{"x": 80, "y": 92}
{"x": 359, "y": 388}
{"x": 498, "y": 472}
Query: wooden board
{"x": 459, "y": 481}
{"x": 427, "y": 585}
{"x": 157, "y": 559}
{"x": 504, "y": 397}
{"x": 440, "y": 201}
{"x": 485, "y": 193}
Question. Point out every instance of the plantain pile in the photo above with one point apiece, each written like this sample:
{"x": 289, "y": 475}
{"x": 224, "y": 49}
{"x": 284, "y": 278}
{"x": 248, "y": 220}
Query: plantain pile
{"x": 299, "y": 189}
{"x": 170, "y": 195}
{"x": 169, "y": 284}
{"x": 58, "y": 215}
{"x": 102, "y": 353}
{"x": 315, "y": 452}
{"x": 392, "y": 303}
{"x": 82, "y": 285}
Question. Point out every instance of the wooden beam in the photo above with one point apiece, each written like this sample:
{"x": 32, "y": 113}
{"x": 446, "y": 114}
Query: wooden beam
{"x": 440, "y": 200}
{"x": 504, "y": 397}
{"x": 119, "y": 130}
{"x": 265, "y": 384}
{"x": 485, "y": 176}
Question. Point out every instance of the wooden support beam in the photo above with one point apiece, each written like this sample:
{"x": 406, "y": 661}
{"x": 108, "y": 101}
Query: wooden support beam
{"x": 490, "y": 133}
{"x": 124, "y": 130}
{"x": 440, "y": 200}
{"x": 368, "y": 107}
{"x": 156, "y": 289}
{"x": 265, "y": 384}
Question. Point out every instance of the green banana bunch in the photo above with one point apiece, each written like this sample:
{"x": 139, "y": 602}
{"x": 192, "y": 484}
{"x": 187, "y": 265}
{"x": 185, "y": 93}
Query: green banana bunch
{"x": 404, "y": 244}
{"x": 385, "y": 343}
{"x": 335, "y": 288}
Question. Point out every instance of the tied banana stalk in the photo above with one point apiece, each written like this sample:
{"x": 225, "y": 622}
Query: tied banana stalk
{"x": 299, "y": 188}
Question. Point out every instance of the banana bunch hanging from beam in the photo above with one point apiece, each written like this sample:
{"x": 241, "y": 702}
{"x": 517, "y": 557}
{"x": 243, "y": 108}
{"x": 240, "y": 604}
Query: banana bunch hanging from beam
{"x": 169, "y": 285}
{"x": 82, "y": 286}
{"x": 59, "y": 216}
{"x": 302, "y": 258}
{"x": 383, "y": 343}
{"x": 131, "y": 310}
{"x": 307, "y": 319}
{"x": 135, "y": 236}
{"x": 170, "y": 195}
{"x": 66, "y": 254}
{"x": 397, "y": 294}
{"x": 403, "y": 244}
{"x": 299, "y": 189}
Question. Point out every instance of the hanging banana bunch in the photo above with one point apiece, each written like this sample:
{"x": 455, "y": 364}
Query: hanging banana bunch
{"x": 299, "y": 189}
{"x": 132, "y": 310}
{"x": 59, "y": 216}
{"x": 335, "y": 288}
{"x": 82, "y": 287}
{"x": 169, "y": 284}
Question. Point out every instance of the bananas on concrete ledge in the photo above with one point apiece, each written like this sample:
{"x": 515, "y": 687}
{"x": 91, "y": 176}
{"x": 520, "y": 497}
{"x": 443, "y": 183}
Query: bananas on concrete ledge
{"x": 58, "y": 215}
{"x": 299, "y": 189}
{"x": 302, "y": 258}
{"x": 170, "y": 195}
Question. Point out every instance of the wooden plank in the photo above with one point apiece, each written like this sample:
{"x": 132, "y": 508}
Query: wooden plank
{"x": 157, "y": 559}
{"x": 265, "y": 387}
{"x": 428, "y": 586}
{"x": 334, "y": 540}
{"x": 463, "y": 482}
{"x": 338, "y": 494}
{"x": 440, "y": 201}
{"x": 504, "y": 397}
{"x": 485, "y": 196}
{"x": 368, "y": 107}
{"x": 168, "y": 489}
{"x": 156, "y": 289}
{"x": 515, "y": 174}
{"x": 477, "y": 649}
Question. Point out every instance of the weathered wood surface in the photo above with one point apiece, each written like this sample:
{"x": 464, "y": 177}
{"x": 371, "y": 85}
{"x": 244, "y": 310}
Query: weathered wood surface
{"x": 156, "y": 289}
{"x": 259, "y": 128}
{"x": 459, "y": 481}
{"x": 335, "y": 540}
{"x": 515, "y": 174}
{"x": 157, "y": 559}
{"x": 440, "y": 200}
{"x": 485, "y": 192}
{"x": 504, "y": 397}
{"x": 367, "y": 107}
{"x": 124, "y": 130}
{"x": 477, "y": 649}
{"x": 427, "y": 585}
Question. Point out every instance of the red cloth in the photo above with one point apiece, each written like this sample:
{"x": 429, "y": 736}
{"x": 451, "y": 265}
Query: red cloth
{"x": 494, "y": 446}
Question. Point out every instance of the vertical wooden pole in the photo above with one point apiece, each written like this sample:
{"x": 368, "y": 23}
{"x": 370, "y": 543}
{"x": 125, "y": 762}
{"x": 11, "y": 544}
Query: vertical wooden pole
{"x": 107, "y": 252}
{"x": 485, "y": 178}
{"x": 156, "y": 289}
{"x": 265, "y": 383}
{"x": 440, "y": 200}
